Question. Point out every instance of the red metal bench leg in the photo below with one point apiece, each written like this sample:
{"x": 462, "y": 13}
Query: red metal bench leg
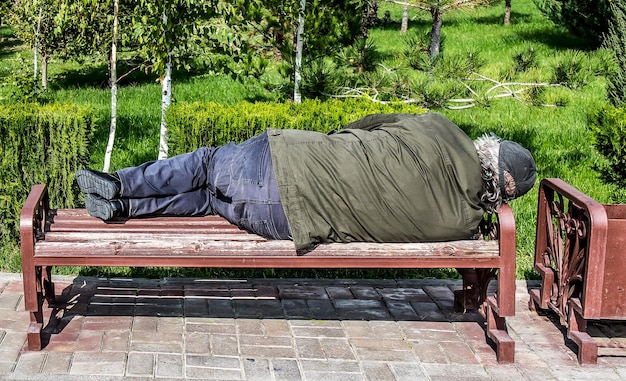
{"x": 577, "y": 332}
{"x": 48, "y": 287}
{"x": 496, "y": 331}
{"x": 32, "y": 217}
{"x": 33, "y": 301}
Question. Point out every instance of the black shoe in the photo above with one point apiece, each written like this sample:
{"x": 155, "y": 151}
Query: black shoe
{"x": 103, "y": 208}
{"x": 103, "y": 184}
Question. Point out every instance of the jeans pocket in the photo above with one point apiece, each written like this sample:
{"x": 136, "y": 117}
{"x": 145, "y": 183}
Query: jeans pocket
{"x": 248, "y": 166}
{"x": 261, "y": 227}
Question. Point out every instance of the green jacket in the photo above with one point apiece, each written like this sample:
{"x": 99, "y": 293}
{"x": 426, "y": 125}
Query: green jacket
{"x": 383, "y": 178}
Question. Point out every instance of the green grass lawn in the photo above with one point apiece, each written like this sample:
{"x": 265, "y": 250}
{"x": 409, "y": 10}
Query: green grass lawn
{"x": 558, "y": 136}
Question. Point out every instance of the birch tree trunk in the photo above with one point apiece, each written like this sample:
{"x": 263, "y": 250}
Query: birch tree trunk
{"x": 297, "y": 97}
{"x": 405, "y": 20}
{"x": 44, "y": 70}
{"x": 113, "y": 79}
{"x": 36, "y": 50}
{"x": 507, "y": 12}
{"x": 166, "y": 99}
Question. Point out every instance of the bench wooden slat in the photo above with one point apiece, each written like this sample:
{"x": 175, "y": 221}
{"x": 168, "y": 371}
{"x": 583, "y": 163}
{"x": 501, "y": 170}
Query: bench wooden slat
{"x": 111, "y": 244}
{"x": 161, "y": 238}
{"x": 78, "y": 220}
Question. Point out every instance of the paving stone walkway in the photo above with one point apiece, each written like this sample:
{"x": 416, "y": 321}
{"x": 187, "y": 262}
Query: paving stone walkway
{"x": 270, "y": 329}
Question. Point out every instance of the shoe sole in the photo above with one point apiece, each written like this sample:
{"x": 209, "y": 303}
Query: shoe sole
{"x": 98, "y": 207}
{"x": 90, "y": 183}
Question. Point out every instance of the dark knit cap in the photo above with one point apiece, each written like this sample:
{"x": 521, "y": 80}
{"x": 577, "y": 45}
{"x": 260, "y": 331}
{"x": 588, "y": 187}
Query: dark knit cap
{"x": 519, "y": 163}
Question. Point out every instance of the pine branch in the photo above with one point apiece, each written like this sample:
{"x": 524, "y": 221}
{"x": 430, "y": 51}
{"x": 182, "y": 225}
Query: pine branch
{"x": 497, "y": 91}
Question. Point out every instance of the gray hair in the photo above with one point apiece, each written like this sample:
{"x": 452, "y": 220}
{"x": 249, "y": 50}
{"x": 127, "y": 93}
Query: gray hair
{"x": 488, "y": 148}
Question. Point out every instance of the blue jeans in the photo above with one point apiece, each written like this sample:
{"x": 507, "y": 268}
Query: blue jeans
{"x": 235, "y": 181}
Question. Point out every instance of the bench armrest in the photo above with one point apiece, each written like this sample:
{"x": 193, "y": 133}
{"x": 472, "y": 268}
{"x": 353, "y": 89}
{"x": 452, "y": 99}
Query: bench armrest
{"x": 570, "y": 242}
{"x": 33, "y": 218}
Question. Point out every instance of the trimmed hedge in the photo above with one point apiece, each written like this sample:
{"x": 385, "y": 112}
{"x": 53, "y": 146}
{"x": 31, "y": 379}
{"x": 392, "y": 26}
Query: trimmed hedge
{"x": 193, "y": 125}
{"x": 40, "y": 144}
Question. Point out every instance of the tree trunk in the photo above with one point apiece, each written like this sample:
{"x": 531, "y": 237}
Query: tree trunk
{"x": 405, "y": 20}
{"x": 113, "y": 79}
{"x": 44, "y": 70}
{"x": 507, "y": 12}
{"x": 435, "y": 33}
{"x": 297, "y": 97}
{"x": 166, "y": 99}
{"x": 36, "y": 51}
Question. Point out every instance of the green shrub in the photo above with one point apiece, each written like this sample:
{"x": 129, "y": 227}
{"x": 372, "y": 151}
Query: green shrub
{"x": 40, "y": 144}
{"x": 614, "y": 42}
{"x": 609, "y": 131}
{"x": 192, "y": 125}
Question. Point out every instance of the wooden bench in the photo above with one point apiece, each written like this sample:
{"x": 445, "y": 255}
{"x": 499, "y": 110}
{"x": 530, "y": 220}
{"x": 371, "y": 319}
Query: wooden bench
{"x": 580, "y": 256}
{"x": 70, "y": 237}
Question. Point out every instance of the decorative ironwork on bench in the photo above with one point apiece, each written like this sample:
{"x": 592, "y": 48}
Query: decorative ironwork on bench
{"x": 566, "y": 251}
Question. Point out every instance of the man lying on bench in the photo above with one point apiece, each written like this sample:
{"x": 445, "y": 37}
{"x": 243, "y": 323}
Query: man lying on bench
{"x": 383, "y": 178}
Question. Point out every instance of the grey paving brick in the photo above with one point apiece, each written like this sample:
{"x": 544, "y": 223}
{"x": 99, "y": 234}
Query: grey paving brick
{"x": 458, "y": 352}
{"x": 456, "y": 372}
{"x": 504, "y": 373}
{"x": 98, "y": 363}
{"x": 218, "y": 374}
{"x": 6, "y": 367}
{"x": 317, "y": 328}
{"x": 285, "y": 370}
{"x": 266, "y": 346}
{"x": 209, "y": 325}
{"x": 140, "y": 364}
{"x": 169, "y": 366}
{"x": 210, "y": 361}
{"x": 249, "y": 327}
{"x": 30, "y": 363}
{"x": 116, "y": 341}
{"x": 256, "y": 369}
{"x": 408, "y": 371}
{"x": 197, "y": 342}
{"x": 378, "y": 371}
{"x": 13, "y": 342}
{"x": 224, "y": 345}
{"x": 324, "y": 349}
{"x": 332, "y": 370}
{"x": 376, "y": 349}
{"x": 276, "y": 327}
{"x": 10, "y": 301}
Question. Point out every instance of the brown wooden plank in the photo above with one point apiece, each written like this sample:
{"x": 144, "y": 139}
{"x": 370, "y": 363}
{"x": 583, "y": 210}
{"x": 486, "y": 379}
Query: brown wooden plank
{"x": 248, "y": 245}
{"x": 146, "y": 228}
{"x": 259, "y": 260}
{"x": 150, "y": 238}
{"x": 79, "y": 220}
{"x": 68, "y": 215}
